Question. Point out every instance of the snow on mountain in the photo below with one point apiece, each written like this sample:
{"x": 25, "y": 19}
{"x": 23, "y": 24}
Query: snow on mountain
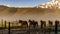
{"x": 50, "y": 4}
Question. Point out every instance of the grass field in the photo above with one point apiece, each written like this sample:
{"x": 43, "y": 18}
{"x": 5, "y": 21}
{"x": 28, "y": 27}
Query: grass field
{"x": 27, "y": 30}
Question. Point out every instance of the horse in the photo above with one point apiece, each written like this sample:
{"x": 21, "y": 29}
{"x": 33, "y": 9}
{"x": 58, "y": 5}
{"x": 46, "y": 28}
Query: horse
{"x": 33, "y": 23}
{"x": 23, "y": 23}
{"x": 43, "y": 24}
{"x": 50, "y": 23}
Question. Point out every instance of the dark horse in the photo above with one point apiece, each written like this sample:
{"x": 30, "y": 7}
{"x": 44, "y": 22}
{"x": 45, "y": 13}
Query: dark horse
{"x": 50, "y": 23}
{"x": 43, "y": 24}
{"x": 23, "y": 23}
{"x": 34, "y": 23}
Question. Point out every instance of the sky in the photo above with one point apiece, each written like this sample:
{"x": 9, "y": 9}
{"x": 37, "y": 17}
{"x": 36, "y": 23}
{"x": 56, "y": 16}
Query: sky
{"x": 22, "y": 2}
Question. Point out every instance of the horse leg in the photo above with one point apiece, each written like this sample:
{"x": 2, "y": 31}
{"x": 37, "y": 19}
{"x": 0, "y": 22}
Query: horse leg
{"x": 27, "y": 25}
{"x": 37, "y": 25}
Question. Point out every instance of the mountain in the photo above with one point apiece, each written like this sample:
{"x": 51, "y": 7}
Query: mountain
{"x": 15, "y": 13}
{"x": 50, "y": 4}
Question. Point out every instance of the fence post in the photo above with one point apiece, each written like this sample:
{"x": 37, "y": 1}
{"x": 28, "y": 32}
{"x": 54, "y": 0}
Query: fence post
{"x": 41, "y": 24}
{"x": 9, "y": 28}
{"x": 5, "y": 24}
{"x": 56, "y": 26}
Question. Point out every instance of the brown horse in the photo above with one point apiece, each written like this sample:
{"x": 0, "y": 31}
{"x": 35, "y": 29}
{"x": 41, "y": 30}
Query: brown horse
{"x": 43, "y": 24}
{"x": 23, "y": 23}
{"x": 50, "y": 23}
{"x": 34, "y": 23}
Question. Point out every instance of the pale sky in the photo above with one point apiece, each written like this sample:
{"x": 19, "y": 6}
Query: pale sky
{"x": 22, "y": 2}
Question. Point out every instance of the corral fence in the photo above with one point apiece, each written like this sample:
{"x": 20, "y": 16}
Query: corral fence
{"x": 31, "y": 29}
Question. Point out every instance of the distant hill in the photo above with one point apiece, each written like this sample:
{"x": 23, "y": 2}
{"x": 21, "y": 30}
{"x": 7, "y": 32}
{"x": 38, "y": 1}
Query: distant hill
{"x": 12, "y": 13}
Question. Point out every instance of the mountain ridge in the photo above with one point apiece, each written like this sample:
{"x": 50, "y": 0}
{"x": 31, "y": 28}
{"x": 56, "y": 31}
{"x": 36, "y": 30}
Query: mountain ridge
{"x": 51, "y": 4}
